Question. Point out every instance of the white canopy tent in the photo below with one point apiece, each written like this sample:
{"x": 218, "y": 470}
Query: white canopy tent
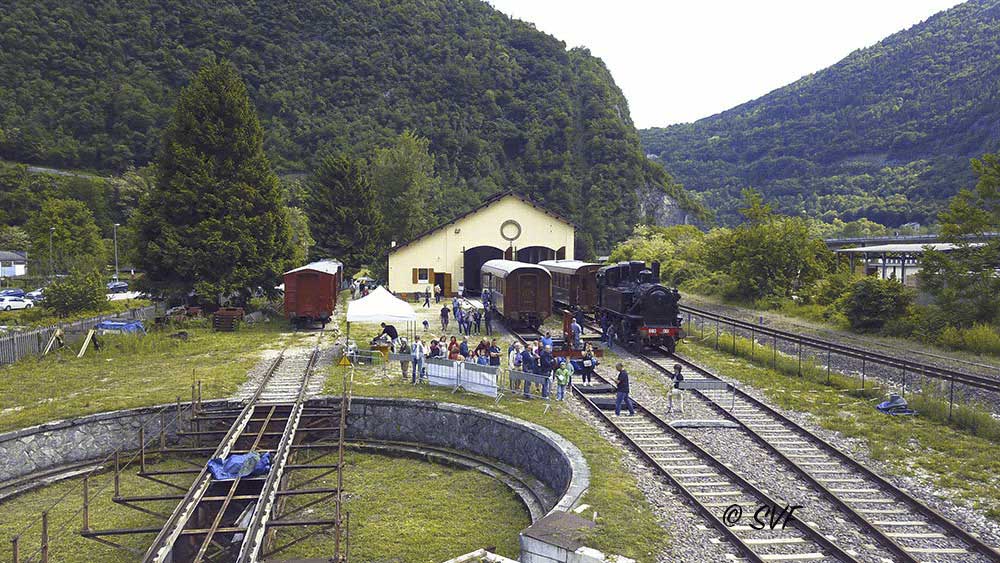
{"x": 378, "y": 306}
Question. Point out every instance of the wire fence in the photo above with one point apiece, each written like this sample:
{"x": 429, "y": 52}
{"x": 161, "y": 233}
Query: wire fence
{"x": 19, "y": 345}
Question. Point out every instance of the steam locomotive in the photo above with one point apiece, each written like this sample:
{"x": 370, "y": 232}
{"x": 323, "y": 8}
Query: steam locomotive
{"x": 642, "y": 311}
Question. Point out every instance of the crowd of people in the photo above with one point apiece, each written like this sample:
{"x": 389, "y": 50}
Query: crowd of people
{"x": 533, "y": 368}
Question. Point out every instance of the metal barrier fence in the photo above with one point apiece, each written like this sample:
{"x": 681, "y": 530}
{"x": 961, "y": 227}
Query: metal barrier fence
{"x": 19, "y": 345}
{"x": 491, "y": 381}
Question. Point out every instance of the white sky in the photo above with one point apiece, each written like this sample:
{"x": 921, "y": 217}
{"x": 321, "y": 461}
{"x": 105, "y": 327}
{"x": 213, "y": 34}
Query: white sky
{"x": 678, "y": 61}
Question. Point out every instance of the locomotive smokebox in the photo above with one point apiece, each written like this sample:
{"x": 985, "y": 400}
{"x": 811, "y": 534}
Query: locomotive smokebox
{"x": 656, "y": 271}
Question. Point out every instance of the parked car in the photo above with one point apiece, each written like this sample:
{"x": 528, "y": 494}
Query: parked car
{"x": 12, "y": 292}
{"x": 9, "y": 303}
{"x": 37, "y": 295}
{"x": 117, "y": 287}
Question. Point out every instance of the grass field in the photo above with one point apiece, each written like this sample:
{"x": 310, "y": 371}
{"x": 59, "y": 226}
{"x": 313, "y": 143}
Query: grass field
{"x": 384, "y": 495}
{"x": 132, "y": 372}
{"x": 409, "y": 510}
{"x": 65, "y": 520}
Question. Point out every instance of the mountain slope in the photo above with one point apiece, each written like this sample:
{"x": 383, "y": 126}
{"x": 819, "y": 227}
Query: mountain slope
{"x": 886, "y": 133}
{"x": 91, "y": 84}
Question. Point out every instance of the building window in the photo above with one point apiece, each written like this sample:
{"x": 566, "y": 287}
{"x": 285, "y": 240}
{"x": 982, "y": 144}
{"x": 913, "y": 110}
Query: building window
{"x": 423, "y": 275}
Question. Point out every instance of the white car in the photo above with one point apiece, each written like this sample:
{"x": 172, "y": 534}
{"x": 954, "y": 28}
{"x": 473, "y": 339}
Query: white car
{"x": 8, "y": 303}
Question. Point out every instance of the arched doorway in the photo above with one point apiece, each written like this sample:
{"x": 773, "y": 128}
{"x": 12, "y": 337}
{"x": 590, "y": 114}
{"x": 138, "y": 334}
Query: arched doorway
{"x": 474, "y": 258}
{"x": 535, "y": 254}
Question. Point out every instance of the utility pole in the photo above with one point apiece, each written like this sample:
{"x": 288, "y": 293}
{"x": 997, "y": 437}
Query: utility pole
{"x": 116, "y": 250}
{"x": 52, "y": 267}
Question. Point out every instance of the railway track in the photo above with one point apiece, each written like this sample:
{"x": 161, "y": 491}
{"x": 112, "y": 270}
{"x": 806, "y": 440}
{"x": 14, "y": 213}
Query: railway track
{"x": 707, "y": 483}
{"x": 234, "y": 520}
{"x": 932, "y": 371}
{"x": 710, "y": 485}
{"x": 908, "y": 529}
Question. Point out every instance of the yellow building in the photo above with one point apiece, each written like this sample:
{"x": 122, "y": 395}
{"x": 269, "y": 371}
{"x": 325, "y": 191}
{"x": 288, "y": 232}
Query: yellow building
{"x": 506, "y": 225}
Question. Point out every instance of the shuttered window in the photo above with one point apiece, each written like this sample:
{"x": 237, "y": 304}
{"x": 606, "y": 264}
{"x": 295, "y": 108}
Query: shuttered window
{"x": 423, "y": 275}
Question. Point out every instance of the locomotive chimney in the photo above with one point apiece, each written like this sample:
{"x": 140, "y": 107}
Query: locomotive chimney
{"x": 656, "y": 271}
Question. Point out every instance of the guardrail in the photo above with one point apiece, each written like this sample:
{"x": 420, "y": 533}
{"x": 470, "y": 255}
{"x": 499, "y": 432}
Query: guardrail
{"x": 18, "y": 345}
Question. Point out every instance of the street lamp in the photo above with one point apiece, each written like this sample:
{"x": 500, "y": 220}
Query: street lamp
{"x": 52, "y": 267}
{"x": 116, "y": 250}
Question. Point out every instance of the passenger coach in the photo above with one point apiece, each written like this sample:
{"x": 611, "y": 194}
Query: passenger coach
{"x": 521, "y": 292}
{"x": 574, "y": 283}
{"x": 311, "y": 292}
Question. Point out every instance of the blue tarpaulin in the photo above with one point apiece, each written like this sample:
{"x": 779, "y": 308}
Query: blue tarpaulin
{"x": 127, "y": 327}
{"x": 239, "y": 465}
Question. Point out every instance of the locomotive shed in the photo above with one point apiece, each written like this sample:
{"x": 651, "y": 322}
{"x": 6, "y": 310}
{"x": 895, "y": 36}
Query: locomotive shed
{"x": 507, "y": 226}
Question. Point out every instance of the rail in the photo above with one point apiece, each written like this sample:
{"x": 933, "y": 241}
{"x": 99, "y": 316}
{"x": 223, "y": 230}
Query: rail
{"x": 905, "y": 366}
{"x": 831, "y": 494}
{"x": 651, "y": 428}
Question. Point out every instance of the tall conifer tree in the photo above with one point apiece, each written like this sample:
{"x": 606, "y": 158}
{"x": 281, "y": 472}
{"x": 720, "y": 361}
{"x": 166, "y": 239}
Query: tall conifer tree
{"x": 343, "y": 212}
{"x": 213, "y": 222}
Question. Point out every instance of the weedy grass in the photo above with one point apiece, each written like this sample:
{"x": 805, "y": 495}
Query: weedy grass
{"x": 962, "y": 456}
{"x": 66, "y": 521}
{"x": 626, "y": 523}
{"x": 131, "y": 371}
{"x": 408, "y": 510}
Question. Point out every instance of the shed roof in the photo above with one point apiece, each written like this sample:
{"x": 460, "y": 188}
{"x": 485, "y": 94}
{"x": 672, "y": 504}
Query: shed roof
{"x": 486, "y": 203}
{"x": 9, "y": 256}
{"x": 907, "y": 248}
{"x": 326, "y": 266}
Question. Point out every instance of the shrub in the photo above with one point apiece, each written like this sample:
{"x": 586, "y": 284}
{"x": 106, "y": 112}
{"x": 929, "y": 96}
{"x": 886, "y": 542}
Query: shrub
{"x": 80, "y": 291}
{"x": 871, "y": 302}
{"x": 980, "y": 338}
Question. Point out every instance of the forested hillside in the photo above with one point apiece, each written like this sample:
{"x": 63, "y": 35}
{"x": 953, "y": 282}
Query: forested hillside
{"x": 90, "y": 85}
{"x": 886, "y": 133}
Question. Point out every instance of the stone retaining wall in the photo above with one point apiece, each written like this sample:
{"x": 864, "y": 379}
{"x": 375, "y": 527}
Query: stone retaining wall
{"x": 534, "y": 449}
{"x": 553, "y": 460}
{"x": 86, "y": 438}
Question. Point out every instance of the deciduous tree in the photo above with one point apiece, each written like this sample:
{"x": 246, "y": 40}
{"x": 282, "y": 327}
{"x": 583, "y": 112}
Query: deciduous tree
{"x": 75, "y": 239}
{"x": 407, "y": 188}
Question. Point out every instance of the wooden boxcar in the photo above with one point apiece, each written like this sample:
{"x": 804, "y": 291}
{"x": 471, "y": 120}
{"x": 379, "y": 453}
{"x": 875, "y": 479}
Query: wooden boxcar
{"x": 574, "y": 283}
{"x": 311, "y": 292}
{"x": 521, "y": 292}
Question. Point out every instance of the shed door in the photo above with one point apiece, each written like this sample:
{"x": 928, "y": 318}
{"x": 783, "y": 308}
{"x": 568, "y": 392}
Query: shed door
{"x": 529, "y": 292}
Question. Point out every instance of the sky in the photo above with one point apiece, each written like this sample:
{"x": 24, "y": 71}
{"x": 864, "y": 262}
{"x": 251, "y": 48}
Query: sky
{"x": 679, "y": 61}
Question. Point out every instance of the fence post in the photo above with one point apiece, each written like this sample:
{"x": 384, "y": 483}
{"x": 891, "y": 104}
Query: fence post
{"x": 734, "y": 338}
{"x": 800, "y": 358}
{"x": 716, "y": 333}
{"x": 45, "y": 537}
{"x": 753, "y": 342}
{"x": 904, "y": 381}
{"x": 774, "y": 351}
{"x": 86, "y": 504}
{"x": 14, "y": 547}
{"x": 951, "y": 397}
{"x": 828, "y": 365}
